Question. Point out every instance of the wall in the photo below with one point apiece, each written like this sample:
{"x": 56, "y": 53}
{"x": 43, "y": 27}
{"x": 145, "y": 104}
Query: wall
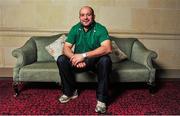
{"x": 155, "y": 22}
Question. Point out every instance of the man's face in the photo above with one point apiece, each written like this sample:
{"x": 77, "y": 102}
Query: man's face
{"x": 86, "y": 16}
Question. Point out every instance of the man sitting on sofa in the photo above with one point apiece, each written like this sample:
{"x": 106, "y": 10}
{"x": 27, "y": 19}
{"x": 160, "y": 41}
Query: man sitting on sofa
{"x": 92, "y": 46}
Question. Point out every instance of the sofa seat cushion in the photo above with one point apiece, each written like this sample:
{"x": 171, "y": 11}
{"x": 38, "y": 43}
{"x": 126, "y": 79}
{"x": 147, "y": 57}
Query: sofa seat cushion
{"x": 125, "y": 71}
{"x": 40, "y": 72}
{"x": 129, "y": 71}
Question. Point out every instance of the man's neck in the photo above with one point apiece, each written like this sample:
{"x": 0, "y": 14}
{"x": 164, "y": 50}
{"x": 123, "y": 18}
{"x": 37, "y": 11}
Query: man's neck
{"x": 86, "y": 29}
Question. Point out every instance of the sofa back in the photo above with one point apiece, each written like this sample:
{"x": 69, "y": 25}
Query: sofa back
{"x": 41, "y": 43}
{"x": 125, "y": 44}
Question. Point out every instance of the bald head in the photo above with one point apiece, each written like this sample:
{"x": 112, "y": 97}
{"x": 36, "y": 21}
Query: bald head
{"x": 87, "y": 8}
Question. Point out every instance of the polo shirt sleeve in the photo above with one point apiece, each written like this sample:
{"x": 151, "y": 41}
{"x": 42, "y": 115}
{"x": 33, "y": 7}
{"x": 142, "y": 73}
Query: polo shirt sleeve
{"x": 103, "y": 35}
{"x": 71, "y": 36}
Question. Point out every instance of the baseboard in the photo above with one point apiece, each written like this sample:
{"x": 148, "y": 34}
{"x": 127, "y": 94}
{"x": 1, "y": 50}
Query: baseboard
{"x": 6, "y": 72}
{"x": 168, "y": 73}
{"x": 160, "y": 73}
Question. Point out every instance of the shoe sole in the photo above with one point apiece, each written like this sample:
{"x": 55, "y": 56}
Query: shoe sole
{"x": 71, "y": 98}
{"x": 100, "y": 111}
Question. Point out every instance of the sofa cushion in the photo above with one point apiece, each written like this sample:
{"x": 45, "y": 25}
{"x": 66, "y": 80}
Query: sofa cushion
{"x": 129, "y": 71}
{"x": 55, "y": 49}
{"x": 40, "y": 72}
{"x": 125, "y": 71}
{"x": 41, "y": 42}
{"x": 117, "y": 54}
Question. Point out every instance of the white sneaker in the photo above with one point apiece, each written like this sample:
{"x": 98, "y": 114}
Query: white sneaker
{"x": 100, "y": 107}
{"x": 64, "y": 98}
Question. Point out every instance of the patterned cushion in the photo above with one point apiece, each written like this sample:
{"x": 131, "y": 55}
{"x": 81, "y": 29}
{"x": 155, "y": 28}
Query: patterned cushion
{"x": 117, "y": 54}
{"x": 55, "y": 49}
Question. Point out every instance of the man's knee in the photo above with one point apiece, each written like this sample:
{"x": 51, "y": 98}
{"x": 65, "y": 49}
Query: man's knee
{"x": 105, "y": 60}
{"x": 61, "y": 59}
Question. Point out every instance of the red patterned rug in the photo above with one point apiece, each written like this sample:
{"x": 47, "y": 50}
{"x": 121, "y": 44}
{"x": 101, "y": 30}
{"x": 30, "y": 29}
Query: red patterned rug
{"x": 127, "y": 98}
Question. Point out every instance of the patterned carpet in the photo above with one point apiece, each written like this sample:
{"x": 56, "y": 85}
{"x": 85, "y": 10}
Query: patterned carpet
{"x": 127, "y": 98}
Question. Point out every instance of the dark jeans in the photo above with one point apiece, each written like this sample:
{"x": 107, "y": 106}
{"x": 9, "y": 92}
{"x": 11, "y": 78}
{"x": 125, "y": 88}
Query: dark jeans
{"x": 101, "y": 65}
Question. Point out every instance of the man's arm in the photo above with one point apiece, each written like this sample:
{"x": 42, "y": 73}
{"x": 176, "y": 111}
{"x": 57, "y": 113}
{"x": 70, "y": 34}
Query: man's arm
{"x": 67, "y": 49}
{"x": 104, "y": 49}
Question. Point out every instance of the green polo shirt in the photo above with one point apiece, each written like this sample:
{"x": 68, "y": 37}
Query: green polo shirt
{"x": 87, "y": 41}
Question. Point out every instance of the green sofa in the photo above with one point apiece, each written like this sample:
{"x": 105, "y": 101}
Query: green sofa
{"x": 34, "y": 64}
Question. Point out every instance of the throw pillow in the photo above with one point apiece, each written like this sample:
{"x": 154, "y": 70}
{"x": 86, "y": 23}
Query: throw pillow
{"x": 55, "y": 49}
{"x": 117, "y": 54}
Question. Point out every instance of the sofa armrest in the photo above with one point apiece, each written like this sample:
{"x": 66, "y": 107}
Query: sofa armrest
{"x": 25, "y": 55}
{"x": 142, "y": 55}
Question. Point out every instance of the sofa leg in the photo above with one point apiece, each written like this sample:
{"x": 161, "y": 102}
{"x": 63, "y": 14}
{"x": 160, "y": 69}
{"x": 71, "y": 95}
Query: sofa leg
{"x": 15, "y": 88}
{"x": 152, "y": 88}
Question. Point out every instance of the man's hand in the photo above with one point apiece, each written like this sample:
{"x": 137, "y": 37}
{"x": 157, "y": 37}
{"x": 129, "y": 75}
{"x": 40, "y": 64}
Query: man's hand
{"x": 81, "y": 65}
{"x": 76, "y": 58}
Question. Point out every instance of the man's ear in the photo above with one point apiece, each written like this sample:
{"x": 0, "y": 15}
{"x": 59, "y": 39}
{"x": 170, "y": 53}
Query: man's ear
{"x": 94, "y": 17}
